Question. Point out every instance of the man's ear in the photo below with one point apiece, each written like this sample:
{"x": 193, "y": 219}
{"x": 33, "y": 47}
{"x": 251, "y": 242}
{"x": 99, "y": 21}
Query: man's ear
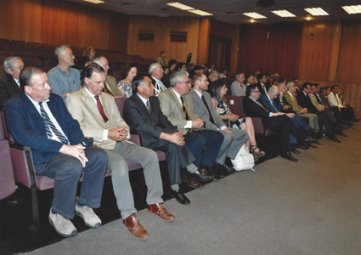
{"x": 27, "y": 89}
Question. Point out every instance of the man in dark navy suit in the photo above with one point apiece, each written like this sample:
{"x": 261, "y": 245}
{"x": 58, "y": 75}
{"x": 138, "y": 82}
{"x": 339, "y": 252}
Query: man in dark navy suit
{"x": 41, "y": 121}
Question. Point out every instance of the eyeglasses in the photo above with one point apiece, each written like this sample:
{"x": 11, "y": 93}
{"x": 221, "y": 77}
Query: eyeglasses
{"x": 187, "y": 82}
{"x": 256, "y": 91}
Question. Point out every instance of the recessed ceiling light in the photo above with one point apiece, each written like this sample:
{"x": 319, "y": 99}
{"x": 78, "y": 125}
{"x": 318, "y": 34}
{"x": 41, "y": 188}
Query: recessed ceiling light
{"x": 308, "y": 18}
{"x": 316, "y": 11}
{"x": 352, "y": 9}
{"x": 254, "y": 15}
{"x": 284, "y": 13}
{"x": 200, "y": 12}
{"x": 94, "y": 1}
{"x": 180, "y": 6}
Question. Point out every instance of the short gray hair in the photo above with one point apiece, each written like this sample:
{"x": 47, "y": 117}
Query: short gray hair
{"x": 61, "y": 48}
{"x": 153, "y": 66}
{"x": 98, "y": 58}
{"x": 290, "y": 84}
{"x": 9, "y": 62}
{"x": 176, "y": 77}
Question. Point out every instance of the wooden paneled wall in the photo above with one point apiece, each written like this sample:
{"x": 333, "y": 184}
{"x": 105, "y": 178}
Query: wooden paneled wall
{"x": 162, "y": 28}
{"x": 272, "y": 48}
{"x": 57, "y": 22}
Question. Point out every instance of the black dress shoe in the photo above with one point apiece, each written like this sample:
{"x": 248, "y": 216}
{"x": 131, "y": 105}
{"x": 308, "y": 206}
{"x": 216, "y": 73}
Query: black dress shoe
{"x": 295, "y": 151}
{"x": 334, "y": 139}
{"x": 224, "y": 168}
{"x": 289, "y": 156}
{"x": 303, "y": 146}
{"x": 180, "y": 197}
{"x": 204, "y": 175}
{"x": 191, "y": 180}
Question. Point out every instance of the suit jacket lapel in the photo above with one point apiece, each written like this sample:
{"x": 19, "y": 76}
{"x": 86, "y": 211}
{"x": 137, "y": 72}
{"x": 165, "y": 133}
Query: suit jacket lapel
{"x": 141, "y": 105}
{"x": 176, "y": 100}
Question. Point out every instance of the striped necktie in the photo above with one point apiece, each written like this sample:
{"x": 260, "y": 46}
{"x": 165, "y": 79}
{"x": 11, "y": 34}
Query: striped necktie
{"x": 147, "y": 104}
{"x": 49, "y": 126}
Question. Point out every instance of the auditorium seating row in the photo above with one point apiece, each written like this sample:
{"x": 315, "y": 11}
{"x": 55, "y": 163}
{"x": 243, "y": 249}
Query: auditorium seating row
{"x": 19, "y": 168}
{"x": 42, "y": 55}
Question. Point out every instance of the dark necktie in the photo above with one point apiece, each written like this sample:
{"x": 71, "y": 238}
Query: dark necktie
{"x": 49, "y": 126}
{"x": 101, "y": 109}
{"x": 209, "y": 112}
{"x": 147, "y": 104}
{"x": 184, "y": 109}
{"x": 319, "y": 99}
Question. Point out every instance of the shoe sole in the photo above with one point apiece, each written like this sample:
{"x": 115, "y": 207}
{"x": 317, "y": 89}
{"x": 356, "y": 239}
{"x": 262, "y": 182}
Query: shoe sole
{"x": 58, "y": 232}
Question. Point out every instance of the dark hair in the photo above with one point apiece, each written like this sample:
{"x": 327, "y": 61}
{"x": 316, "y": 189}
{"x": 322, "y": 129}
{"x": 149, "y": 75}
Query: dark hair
{"x": 179, "y": 66}
{"x": 251, "y": 88}
{"x": 90, "y": 69}
{"x": 334, "y": 86}
{"x": 127, "y": 68}
{"x": 27, "y": 73}
{"x": 172, "y": 62}
{"x": 137, "y": 81}
{"x": 217, "y": 86}
{"x": 260, "y": 75}
{"x": 305, "y": 85}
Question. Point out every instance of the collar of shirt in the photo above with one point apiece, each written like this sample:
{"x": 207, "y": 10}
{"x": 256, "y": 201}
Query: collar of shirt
{"x": 178, "y": 96}
{"x": 199, "y": 93}
{"x": 36, "y": 103}
{"x": 17, "y": 81}
{"x": 144, "y": 100}
{"x": 63, "y": 71}
{"x": 92, "y": 96}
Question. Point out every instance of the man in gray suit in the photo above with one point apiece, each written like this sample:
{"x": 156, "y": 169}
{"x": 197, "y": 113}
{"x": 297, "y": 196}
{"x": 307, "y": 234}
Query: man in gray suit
{"x": 202, "y": 105}
{"x": 204, "y": 144}
{"x": 99, "y": 118}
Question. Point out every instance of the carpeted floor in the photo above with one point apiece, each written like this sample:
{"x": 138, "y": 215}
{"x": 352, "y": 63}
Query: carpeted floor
{"x": 309, "y": 207}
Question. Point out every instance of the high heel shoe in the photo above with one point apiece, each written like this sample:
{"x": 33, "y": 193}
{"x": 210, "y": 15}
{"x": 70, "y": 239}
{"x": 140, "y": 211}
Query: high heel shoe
{"x": 256, "y": 152}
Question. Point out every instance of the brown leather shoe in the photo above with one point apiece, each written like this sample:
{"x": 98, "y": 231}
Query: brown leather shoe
{"x": 135, "y": 227}
{"x": 160, "y": 210}
{"x": 191, "y": 180}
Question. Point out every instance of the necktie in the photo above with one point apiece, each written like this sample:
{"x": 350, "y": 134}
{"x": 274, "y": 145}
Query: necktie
{"x": 148, "y": 106}
{"x": 49, "y": 126}
{"x": 209, "y": 112}
{"x": 184, "y": 109}
{"x": 101, "y": 109}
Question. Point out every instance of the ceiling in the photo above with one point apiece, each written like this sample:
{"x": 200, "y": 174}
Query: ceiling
{"x": 230, "y": 11}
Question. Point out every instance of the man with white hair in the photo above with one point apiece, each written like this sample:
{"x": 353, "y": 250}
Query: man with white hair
{"x": 156, "y": 71}
{"x": 111, "y": 86}
{"x": 63, "y": 78}
{"x": 9, "y": 84}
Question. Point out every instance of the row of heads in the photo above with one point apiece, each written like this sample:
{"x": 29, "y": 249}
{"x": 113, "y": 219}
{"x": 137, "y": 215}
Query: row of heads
{"x": 28, "y": 71}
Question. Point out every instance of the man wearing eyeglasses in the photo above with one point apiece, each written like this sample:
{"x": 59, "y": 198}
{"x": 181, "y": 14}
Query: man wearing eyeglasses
{"x": 275, "y": 121}
{"x": 204, "y": 144}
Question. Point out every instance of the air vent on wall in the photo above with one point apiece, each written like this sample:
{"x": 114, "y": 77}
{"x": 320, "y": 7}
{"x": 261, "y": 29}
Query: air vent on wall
{"x": 144, "y": 35}
{"x": 178, "y": 36}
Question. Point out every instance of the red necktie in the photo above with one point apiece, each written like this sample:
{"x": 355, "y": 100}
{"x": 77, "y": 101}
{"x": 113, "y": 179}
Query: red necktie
{"x": 101, "y": 109}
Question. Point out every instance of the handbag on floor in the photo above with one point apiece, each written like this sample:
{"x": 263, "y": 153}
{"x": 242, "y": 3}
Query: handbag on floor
{"x": 244, "y": 160}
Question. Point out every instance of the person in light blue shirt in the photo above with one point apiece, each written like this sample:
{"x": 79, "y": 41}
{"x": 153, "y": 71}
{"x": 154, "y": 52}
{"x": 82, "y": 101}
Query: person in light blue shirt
{"x": 63, "y": 78}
